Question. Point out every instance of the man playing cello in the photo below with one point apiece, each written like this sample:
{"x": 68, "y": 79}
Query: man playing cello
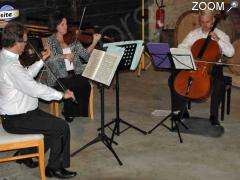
{"x": 206, "y": 20}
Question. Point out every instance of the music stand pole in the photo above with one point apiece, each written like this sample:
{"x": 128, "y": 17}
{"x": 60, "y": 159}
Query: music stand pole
{"x": 118, "y": 120}
{"x": 101, "y": 136}
{"x": 171, "y": 114}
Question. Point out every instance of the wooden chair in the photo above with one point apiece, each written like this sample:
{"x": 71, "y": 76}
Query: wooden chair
{"x": 54, "y": 107}
{"x": 16, "y": 141}
{"x": 227, "y": 92}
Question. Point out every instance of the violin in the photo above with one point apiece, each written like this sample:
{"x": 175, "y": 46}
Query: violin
{"x": 196, "y": 85}
{"x": 84, "y": 36}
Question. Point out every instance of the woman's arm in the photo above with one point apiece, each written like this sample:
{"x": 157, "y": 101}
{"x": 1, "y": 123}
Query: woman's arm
{"x": 96, "y": 38}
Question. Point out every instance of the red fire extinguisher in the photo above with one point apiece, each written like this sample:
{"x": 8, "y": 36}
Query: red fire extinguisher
{"x": 160, "y": 16}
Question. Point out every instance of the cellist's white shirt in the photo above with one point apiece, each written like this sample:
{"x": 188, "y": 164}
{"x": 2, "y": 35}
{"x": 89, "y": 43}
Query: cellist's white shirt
{"x": 224, "y": 41}
{"x": 19, "y": 92}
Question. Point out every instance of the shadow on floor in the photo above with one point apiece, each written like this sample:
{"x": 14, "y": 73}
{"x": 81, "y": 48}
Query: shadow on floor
{"x": 201, "y": 126}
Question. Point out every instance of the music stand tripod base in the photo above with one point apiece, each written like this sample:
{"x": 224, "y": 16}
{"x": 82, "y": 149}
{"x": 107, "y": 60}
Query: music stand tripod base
{"x": 102, "y": 137}
{"x": 174, "y": 125}
{"x": 118, "y": 120}
{"x": 163, "y": 59}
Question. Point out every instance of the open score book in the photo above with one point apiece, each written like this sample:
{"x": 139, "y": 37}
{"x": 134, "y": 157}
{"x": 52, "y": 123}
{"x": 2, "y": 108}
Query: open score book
{"x": 102, "y": 65}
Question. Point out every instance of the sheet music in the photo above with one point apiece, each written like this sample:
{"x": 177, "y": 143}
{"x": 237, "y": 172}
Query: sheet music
{"x": 105, "y": 74}
{"x": 137, "y": 57}
{"x": 102, "y": 65}
{"x": 183, "y": 58}
{"x": 134, "y": 47}
{"x": 159, "y": 53}
{"x": 93, "y": 63}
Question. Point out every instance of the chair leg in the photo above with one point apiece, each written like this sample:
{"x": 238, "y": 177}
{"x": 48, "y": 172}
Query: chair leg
{"x": 54, "y": 108}
{"x": 223, "y": 106}
{"x": 41, "y": 160}
{"x": 91, "y": 104}
{"x": 51, "y": 108}
{"x": 57, "y": 109}
{"x": 229, "y": 99}
{"x": 189, "y": 105}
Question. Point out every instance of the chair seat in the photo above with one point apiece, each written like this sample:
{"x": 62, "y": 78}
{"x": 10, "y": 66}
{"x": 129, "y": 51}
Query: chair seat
{"x": 8, "y": 138}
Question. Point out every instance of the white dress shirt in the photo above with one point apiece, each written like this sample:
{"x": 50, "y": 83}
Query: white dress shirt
{"x": 19, "y": 92}
{"x": 224, "y": 41}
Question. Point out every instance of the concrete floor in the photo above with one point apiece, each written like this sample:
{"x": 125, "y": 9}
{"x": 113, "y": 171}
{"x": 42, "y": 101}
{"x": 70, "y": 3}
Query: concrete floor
{"x": 203, "y": 154}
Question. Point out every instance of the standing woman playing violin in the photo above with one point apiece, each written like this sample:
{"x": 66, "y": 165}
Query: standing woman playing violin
{"x": 206, "y": 20}
{"x": 65, "y": 62}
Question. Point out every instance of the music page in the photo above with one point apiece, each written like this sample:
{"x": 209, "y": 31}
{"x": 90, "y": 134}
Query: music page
{"x": 105, "y": 71}
{"x": 182, "y": 58}
{"x": 93, "y": 63}
{"x": 102, "y": 65}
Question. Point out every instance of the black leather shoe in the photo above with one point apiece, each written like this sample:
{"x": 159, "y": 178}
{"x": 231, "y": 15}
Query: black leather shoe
{"x": 27, "y": 162}
{"x": 59, "y": 173}
{"x": 69, "y": 119}
{"x": 68, "y": 172}
{"x": 214, "y": 121}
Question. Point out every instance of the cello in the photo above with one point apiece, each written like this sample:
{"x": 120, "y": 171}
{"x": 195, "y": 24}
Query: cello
{"x": 196, "y": 85}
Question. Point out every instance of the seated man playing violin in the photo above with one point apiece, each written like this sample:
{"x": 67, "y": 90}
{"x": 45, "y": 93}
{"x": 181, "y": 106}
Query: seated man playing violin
{"x": 206, "y": 20}
{"x": 66, "y": 65}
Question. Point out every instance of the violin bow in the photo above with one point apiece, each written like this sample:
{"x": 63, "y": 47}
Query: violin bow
{"x": 81, "y": 20}
{"x": 79, "y": 26}
{"x": 219, "y": 63}
{"x": 50, "y": 70}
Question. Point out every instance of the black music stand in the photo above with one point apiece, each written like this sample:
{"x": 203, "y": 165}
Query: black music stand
{"x": 163, "y": 59}
{"x": 129, "y": 61}
{"x": 101, "y": 136}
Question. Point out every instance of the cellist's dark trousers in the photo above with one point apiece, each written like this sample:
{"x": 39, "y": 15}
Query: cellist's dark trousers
{"x": 178, "y": 102}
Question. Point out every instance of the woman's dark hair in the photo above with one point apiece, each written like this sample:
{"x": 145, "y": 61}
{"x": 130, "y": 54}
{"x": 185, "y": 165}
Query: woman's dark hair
{"x": 12, "y": 33}
{"x": 54, "y": 21}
